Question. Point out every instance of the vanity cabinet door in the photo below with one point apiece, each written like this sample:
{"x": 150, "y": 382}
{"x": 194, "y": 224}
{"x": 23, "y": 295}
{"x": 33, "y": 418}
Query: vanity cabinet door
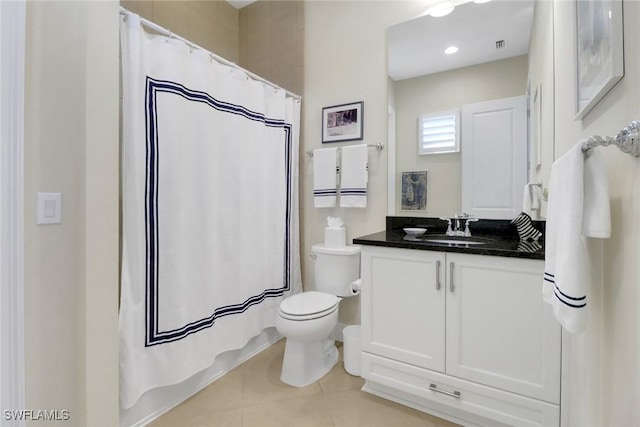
{"x": 499, "y": 330}
{"x": 403, "y": 305}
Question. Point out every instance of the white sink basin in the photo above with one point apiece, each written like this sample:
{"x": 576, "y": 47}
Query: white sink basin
{"x": 454, "y": 242}
{"x": 458, "y": 240}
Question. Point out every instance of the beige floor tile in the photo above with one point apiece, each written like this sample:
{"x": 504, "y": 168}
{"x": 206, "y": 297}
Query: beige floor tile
{"x": 338, "y": 379}
{"x": 431, "y": 421}
{"x": 224, "y": 393}
{"x": 262, "y": 379}
{"x": 252, "y": 395}
{"x": 200, "y": 418}
{"x": 354, "y": 408}
{"x": 215, "y": 402}
{"x": 307, "y": 411}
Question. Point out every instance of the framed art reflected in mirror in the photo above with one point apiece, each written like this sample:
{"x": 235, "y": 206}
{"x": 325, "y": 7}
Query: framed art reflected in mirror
{"x": 414, "y": 191}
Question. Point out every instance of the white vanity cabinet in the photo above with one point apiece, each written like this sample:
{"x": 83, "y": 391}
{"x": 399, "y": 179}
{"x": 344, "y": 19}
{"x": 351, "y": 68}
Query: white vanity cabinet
{"x": 465, "y": 337}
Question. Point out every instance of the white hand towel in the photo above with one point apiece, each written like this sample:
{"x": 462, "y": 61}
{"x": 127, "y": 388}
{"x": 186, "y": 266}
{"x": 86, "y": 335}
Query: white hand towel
{"x": 531, "y": 199}
{"x": 324, "y": 177}
{"x": 354, "y": 177}
{"x": 527, "y": 199}
{"x": 596, "y": 221}
{"x": 578, "y": 207}
{"x": 536, "y": 196}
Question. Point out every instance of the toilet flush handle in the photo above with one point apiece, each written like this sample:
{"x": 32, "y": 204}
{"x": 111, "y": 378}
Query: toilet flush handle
{"x": 313, "y": 256}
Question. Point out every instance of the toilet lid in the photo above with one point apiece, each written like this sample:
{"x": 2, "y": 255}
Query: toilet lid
{"x": 307, "y": 303}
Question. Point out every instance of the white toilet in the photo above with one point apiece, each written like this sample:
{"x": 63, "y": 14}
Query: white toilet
{"x": 307, "y": 319}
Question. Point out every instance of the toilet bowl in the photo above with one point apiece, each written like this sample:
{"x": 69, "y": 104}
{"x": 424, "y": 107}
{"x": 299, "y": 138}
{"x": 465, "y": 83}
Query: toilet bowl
{"x": 308, "y": 319}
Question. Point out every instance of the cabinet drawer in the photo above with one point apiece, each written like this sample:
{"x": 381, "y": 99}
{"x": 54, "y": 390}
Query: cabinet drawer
{"x": 486, "y": 402}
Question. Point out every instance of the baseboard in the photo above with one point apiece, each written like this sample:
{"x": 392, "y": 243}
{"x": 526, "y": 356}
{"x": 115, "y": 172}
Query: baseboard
{"x": 158, "y": 401}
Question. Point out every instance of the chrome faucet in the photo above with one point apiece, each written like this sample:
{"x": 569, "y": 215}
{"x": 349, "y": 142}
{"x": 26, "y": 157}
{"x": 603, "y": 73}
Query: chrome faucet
{"x": 467, "y": 232}
{"x": 455, "y": 225}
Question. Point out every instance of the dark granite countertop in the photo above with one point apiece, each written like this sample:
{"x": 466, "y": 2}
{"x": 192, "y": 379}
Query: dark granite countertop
{"x": 501, "y": 237}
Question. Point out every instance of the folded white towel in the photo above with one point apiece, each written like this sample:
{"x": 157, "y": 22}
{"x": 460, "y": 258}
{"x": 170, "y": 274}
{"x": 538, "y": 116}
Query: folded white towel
{"x": 536, "y": 196}
{"x": 526, "y": 199}
{"x": 578, "y": 207}
{"x": 354, "y": 177}
{"x": 324, "y": 177}
{"x": 531, "y": 199}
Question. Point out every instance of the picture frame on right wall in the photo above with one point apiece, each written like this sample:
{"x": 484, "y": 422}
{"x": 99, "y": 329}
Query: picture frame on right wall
{"x": 600, "y": 51}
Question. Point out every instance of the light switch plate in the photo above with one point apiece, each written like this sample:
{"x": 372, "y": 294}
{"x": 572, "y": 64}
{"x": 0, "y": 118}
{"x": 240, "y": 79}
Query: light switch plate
{"x": 49, "y": 208}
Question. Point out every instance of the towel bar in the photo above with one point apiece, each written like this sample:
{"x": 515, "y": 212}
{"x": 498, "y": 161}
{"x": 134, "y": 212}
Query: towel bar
{"x": 628, "y": 140}
{"x": 378, "y": 147}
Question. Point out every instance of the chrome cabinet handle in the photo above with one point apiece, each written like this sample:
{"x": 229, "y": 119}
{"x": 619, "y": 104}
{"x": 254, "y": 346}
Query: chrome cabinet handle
{"x": 451, "y": 266}
{"x": 435, "y": 388}
{"x": 438, "y": 275}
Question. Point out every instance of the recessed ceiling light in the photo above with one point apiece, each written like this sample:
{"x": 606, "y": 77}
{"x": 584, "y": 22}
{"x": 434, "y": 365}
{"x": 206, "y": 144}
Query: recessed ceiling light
{"x": 481, "y": 1}
{"x": 451, "y": 50}
{"x": 441, "y": 9}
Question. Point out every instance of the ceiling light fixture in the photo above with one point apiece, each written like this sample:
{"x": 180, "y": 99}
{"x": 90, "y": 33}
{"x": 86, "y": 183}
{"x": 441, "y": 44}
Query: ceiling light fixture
{"x": 451, "y": 50}
{"x": 441, "y": 9}
{"x": 481, "y": 1}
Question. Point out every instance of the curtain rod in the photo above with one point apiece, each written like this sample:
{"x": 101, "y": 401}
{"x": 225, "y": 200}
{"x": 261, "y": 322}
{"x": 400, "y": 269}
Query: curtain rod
{"x": 628, "y": 140}
{"x": 163, "y": 31}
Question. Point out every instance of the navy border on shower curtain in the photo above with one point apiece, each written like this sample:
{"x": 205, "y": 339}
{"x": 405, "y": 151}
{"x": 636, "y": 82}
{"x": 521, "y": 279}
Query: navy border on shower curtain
{"x": 153, "y": 86}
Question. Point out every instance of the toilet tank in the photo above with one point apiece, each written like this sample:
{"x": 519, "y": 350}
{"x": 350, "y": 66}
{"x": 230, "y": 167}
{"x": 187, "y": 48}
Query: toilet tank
{"x": 336, "y": 268}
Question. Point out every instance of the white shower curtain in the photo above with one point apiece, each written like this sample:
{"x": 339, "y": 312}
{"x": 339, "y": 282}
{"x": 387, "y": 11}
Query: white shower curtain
{"x": 210, "y": 209}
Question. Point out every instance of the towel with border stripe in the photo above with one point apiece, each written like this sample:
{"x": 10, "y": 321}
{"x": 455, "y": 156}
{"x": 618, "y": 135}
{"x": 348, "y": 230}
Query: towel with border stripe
{"x": 578, "y": 207}
{"x": 354, "y": 177}
{"x": 324, "y": 177}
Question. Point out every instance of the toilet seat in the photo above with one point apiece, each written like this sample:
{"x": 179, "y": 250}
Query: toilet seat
{"x": 308, "y": 305}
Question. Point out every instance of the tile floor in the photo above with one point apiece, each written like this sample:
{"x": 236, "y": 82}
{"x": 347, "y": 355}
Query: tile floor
{"x": 252, "y": 395}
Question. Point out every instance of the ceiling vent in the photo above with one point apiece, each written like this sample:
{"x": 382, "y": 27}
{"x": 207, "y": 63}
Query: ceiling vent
{"x": 500, "y": 44}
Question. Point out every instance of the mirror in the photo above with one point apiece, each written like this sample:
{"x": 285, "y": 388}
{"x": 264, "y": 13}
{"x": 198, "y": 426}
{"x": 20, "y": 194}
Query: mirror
{"x": 505, "y": 50}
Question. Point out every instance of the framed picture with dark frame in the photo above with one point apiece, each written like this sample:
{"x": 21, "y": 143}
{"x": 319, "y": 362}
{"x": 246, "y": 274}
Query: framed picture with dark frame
{"x": 342, "y": 122}
{"x": 414, "y": 191}
{"x": 600, "y": 56}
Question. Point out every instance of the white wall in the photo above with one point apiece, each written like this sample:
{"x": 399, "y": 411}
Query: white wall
{"x": 444, "y": 91}
{"x": 71, "y": 269}
{"x": 603, "y": 368}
